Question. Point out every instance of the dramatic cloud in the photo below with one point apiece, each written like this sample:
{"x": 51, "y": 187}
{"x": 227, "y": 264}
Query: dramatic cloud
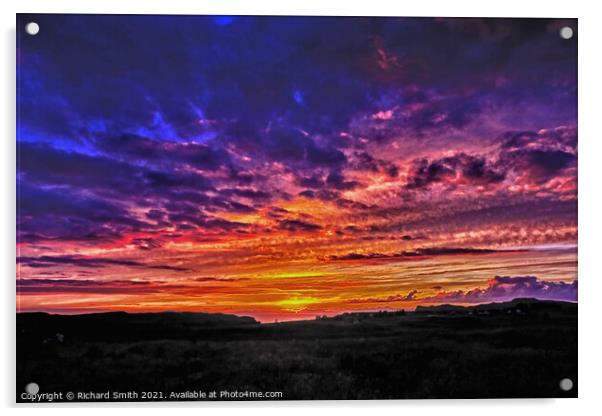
{"x": 33, "y": 286}
{"x": 502, "y": 288}
{"x": 296, "y": 147}
{"x": 297, "y": 225}
{"x": 422, "y": 252}
{"x": 51, "y": 261}
{"x": 458, "y": 169}
{"x": 541, "y": 156}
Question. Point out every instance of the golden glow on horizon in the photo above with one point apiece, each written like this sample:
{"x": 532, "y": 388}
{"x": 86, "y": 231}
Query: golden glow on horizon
{"x": 296, "y": 291}
{"x": 296, "y": 304}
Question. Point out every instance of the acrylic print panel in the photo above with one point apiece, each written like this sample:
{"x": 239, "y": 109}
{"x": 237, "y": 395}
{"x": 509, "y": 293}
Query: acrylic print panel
{"x": 284, "y": 208}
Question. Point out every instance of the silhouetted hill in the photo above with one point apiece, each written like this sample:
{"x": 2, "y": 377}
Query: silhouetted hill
{"x": 123, "y": 326}
{"x": 127, "y": 326}
{"x": 518, "y": 305}
{"x": 521, "y": 348}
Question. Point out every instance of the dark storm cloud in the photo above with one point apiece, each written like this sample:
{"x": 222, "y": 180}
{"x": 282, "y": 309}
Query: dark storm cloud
{"x": 83, "y": 286}
{"x": 219, "y": 279}
{"x": 96, "y": 262}
{"x": 135, "y": 85}
{"x": 188, "y": 215}
{"x": 353, "y": 205}
{"x": 365, "y": 161}
{"x": 102, "y": 176}
{"x": 420, "y": 116}
{"x": 104, "y": 179}
{"x": 155, "y": 214}
{"x": 138, "y": 148}
{"x": 536, "y": 157}
{"x": 517, "y": 139}
{"x": 453, "y": 113}
{"x": 315, "y": 73}
{"x": 337, "y": 181}
{"x": 313, "y": 182}
{"x": 471, "y": 169}
{"x": 542, "y": 155}
{"x": 322, "y": 194}
{"x": 62, "y": 214}
{"x": 327, "y": 186}
{"x": 421, "y": 252}
{"x": 560, "y": 137}
{"x": 159, "y": 180}
{"x": 298, "y": 225}
{"x": 134, "y": 126}
{"x": 39, "y": 163}
{"x": 297, "y": 149}
{"x": 250, "y": 193}
{"x": 337, "y": 65}
{"x": 98, "y": 286}
{"x": 425, "y": 173}
{"x": 70, "y": 195}
{"x": 547, "y": 163}
{"x": 441, "y": 251}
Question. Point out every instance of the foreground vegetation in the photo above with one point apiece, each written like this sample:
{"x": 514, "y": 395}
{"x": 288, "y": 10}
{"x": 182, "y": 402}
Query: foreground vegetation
{"x": 519, "y": 349}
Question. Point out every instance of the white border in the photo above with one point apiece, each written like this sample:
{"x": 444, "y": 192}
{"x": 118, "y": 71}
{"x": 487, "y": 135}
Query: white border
{"x": 590, "y": 209}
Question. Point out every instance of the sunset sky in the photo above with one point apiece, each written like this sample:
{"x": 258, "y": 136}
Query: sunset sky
{"x": 287, "y": 167}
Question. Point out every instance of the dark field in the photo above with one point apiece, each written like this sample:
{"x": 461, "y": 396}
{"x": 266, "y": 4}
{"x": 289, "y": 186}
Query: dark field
{"x": 517, "y": 349}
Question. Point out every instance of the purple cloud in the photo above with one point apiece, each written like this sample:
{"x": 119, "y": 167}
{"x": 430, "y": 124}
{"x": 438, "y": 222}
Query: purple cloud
{"x": 502, "y": 288}
{"x": 498, "y": 289}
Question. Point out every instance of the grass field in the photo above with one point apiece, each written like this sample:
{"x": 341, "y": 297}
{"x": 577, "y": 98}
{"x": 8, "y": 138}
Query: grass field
{"x": 519, "y": 349}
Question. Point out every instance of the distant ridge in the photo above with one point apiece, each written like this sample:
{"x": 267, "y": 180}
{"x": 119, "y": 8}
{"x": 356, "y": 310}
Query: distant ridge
{"x": 518, "y": 304}
{"x": 222, "y": 319}
{"x": 171, "y": 314}
{"x": 123, "y": 326}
